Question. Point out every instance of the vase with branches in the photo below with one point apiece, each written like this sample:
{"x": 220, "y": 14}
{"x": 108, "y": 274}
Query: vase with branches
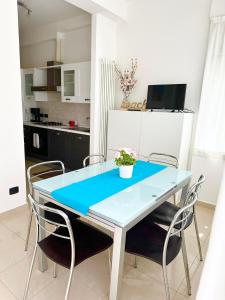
{"x": 127, "y": 78}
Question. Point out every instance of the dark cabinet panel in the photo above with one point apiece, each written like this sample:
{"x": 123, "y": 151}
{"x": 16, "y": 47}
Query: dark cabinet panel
{"x": 77, "y": 148}
{"x": 26, "y": 132}
{"x": 39, "y": 142}
{"x": 56, "y": 145}
{"x": 36, "y": 142}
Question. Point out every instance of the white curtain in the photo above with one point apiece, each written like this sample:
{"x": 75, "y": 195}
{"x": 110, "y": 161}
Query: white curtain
{"x": 210, "y": 135}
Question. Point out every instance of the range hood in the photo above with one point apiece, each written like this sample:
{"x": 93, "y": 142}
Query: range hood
{"x": 53, "y": 83}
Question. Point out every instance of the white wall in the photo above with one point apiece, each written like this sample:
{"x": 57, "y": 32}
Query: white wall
{"x": 37, "y": 45}
{"x": 170, "y": 38}
{"x": 212, "y": 281}
{"x": 103, "y": 46}
{"x": 12, "y": 168}
{"x": 114, "y": 9}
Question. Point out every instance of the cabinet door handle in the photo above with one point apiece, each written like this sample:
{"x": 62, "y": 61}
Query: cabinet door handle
{"x": 67, "y": 99}
{"x": 79, "y": 138}
{"x": 58, "y": 133}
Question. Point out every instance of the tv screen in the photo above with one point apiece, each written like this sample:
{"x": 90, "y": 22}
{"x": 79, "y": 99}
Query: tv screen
{"x": 169, "y": 96}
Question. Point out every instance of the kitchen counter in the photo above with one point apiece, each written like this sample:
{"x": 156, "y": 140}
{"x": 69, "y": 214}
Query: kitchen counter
{"x": 59, "y": 128}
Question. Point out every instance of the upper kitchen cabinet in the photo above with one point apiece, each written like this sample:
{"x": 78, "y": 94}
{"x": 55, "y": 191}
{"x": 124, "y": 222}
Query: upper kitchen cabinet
{"x": 30, "y": 78}
{"x": 75, "y": 79}
{"x": 27, "y": 83}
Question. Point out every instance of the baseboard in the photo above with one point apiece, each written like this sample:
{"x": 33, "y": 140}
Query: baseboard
{"x": 13, "y": 210}
{"x": 206, "y": 204}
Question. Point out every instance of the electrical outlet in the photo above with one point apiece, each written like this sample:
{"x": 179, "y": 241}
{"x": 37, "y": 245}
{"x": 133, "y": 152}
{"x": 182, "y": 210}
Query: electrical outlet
{"x": 13, "y": 190}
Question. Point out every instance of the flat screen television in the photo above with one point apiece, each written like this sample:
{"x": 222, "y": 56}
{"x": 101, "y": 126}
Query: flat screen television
{"x": 166, "y": 96}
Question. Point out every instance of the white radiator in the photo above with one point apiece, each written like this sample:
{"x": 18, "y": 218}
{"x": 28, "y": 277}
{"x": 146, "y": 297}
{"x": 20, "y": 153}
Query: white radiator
{"x": 107, "y": 99}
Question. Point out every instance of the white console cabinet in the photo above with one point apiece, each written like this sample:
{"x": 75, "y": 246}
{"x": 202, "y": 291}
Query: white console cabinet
{"x": 147, "y": 132}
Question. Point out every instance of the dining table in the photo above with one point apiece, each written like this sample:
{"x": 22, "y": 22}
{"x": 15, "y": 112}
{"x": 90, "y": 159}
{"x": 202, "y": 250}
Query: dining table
{"x": 119, "y": 211}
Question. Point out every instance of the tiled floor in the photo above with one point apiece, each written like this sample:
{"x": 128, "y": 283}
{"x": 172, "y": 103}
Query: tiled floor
{"x": 91, "y": 278}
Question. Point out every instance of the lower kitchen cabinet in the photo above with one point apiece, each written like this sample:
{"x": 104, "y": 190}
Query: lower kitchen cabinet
{"x": 77, "y": 148}
{"x": 36, "y": 142}
{"x": 48, "y": 144}
{"x": 70, "y": 148}
{"x": 56, "y": 145}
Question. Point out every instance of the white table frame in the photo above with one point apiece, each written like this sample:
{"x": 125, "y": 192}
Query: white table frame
{"x": 119, "y": 233}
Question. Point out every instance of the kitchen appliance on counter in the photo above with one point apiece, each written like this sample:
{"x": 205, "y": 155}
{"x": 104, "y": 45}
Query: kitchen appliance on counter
{"x": 35, "y": 114}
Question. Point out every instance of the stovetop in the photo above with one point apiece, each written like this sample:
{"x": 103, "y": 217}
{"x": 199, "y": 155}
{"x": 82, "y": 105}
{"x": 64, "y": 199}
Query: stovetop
{"x": 48, "y": 123}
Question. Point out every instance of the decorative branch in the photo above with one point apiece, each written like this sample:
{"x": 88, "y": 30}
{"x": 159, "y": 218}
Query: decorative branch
{"x": 127, "y": 78}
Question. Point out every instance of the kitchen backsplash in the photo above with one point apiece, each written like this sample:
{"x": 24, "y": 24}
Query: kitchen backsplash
{"x": 63, "y": 112}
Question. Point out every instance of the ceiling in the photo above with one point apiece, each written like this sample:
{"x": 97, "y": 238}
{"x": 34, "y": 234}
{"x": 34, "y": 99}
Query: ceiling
{"x": 45, "y": 12}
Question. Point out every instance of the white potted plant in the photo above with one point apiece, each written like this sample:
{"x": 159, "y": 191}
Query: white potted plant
{"x": 125, "y": 160}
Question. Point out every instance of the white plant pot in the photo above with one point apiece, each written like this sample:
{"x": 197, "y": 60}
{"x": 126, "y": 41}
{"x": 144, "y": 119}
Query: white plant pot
{"x": 126, "y": 171}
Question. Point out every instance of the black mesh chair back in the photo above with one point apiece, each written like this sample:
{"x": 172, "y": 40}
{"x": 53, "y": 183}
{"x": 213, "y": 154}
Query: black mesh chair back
{"x": 39, "y": 211}
{"x": 68, "y": 243}
{"x": 44, "y": 170}
{"x": 162, "y": 246}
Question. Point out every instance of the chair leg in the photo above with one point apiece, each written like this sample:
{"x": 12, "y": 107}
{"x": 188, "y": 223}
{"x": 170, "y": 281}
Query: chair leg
{"x": 30, "y": 272}
{"x": 28, "y": 230}
{"x": 135, "y": 261}
{"x": 54, "y": 270}
{"x": 186, "y": 267}
{"x": 166, "y": 282}
{"x": 174, "y": 199}
{"x": 109, "y": 259}
{"x": 197, "y": 235}
{"x": 69, "y": 283}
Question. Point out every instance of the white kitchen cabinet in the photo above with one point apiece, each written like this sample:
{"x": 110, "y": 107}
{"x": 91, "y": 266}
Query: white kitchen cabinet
{"x": 30, "y": 78}
{"x": 27, "y": 79}
{"x": 147, "y": 132}
{"x": 124, "y": 130}
{"x": 75, "y": 79}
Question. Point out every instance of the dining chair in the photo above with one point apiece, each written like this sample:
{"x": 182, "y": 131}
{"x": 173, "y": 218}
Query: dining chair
{"x": 50, "y": 169}
{"x": 165, "y": 213}
{"x": 162, "y": 246}
{"x": 71, "y": 243}
{"x": 164, "y": 159}
{"x": 100, "y": 157}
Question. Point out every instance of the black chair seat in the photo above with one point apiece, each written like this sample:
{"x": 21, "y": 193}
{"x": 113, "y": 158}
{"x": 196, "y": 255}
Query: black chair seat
{"x": 89, "y": 241}
{"x": 57, "y": 218}
{"x": 147, "y": 240}
{"x": 164, "y": 215}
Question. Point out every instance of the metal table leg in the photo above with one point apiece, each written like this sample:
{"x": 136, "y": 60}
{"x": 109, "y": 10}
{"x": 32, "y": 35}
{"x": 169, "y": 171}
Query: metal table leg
{"x": 117, "y": 263}
{"x": 42, "y": 260}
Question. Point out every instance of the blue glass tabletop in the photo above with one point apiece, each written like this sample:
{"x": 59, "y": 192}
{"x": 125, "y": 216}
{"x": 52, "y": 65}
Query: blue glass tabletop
{"x": 125, "y": 206}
